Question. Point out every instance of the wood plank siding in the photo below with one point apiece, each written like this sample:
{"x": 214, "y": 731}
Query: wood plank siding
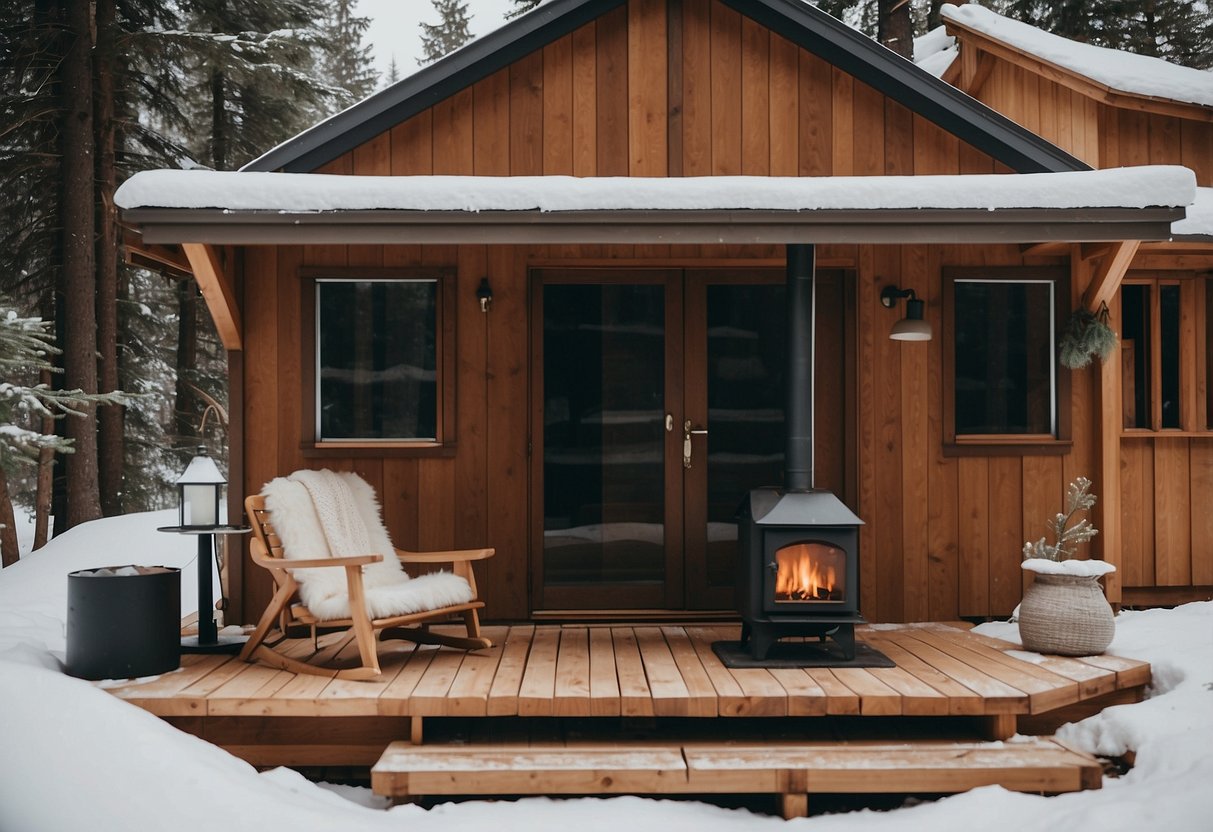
{"x": 1167, "y": 538}
{"x": 690, "y": 88}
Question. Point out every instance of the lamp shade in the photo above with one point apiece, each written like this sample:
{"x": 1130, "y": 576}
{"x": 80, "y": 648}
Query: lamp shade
{"x": 198, "y": 492}
{"x": 912, "y": 327}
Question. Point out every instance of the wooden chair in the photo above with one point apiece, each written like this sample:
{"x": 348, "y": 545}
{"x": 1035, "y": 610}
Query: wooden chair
{"x": 286, "y": 610}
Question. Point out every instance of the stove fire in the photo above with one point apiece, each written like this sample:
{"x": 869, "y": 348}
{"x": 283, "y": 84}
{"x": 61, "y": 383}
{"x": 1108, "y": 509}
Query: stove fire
{"x": 809, "y": 572}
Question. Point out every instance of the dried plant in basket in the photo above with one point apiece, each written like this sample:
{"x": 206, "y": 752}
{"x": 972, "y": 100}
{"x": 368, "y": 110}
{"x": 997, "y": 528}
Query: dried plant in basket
{"x": 1067, "y": 538}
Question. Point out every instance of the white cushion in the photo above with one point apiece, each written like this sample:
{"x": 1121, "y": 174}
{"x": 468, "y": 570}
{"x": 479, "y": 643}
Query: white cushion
{"x": 389, "y": 589}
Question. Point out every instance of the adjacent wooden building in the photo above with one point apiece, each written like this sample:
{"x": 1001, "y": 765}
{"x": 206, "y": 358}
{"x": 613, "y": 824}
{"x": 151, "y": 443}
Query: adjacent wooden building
{"x": 535, "y": 385}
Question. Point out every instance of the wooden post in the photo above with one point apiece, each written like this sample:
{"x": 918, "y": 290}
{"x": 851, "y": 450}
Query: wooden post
{"x": 1001, "y": 726}
{"x": 216, "y": 288}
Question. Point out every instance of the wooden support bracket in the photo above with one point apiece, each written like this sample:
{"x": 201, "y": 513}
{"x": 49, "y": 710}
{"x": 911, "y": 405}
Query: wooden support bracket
{"x": 216, "y": 287}
{"x": 1111, "y": 271}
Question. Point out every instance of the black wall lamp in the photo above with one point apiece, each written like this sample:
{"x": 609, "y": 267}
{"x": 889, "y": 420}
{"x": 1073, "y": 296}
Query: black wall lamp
{"x": 484, "y": 293}
{"x": 912, "y": 327}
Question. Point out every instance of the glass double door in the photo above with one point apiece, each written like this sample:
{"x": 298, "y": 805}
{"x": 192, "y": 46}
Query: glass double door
{"x": 658, "y": 403}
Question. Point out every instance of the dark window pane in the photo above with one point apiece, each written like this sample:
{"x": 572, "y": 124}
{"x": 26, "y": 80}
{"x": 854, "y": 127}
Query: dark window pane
{"x": 377, "y": 354}
{"x": 1004, "y": 357}
{"x": 747, "y": 333}
{"x": 1135, "y": 354}
{"x": 604, "y": 433}
{"x": 1168, "y": 326}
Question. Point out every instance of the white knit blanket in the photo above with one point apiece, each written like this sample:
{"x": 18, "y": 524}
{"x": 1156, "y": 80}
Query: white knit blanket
{"x": 337, "y": 512}
{"x": 320, "y": 514}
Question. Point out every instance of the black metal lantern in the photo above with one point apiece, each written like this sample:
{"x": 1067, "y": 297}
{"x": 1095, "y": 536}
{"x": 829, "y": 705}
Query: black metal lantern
{"x": 198, "y": 493}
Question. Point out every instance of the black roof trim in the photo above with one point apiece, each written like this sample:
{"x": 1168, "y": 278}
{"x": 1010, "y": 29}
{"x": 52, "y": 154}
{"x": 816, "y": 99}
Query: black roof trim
{"x": 803, "y": 24}
{"x": 879, "y": 67}
{"x": 430, "y": 85}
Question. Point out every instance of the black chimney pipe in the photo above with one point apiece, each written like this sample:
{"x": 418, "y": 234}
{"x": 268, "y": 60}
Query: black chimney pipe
{"x": 801, "y": 297}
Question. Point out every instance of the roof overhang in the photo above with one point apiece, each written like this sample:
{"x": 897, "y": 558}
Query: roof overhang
{"x": 935, "y": 225}
{"x": 212, "y": 207}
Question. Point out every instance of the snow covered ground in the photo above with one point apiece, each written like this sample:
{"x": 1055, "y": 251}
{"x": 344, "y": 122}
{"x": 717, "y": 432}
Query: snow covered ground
{"x": 78, "y": 758}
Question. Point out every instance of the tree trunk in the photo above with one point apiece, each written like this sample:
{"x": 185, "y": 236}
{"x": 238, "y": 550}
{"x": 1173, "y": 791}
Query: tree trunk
{"x": 46, "y": 478}
{"x": 79, "y": 277}
{"x": 934, "y": 18}
{"x": 8, "y": 535}
{"x": 894, "y": 28}
{"x": 185, "y": 408}
{"x": 110, "y": 418}
{"x": 218, "y": 125}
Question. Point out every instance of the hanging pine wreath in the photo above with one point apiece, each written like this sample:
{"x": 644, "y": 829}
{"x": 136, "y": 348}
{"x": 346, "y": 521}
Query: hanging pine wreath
{"x": 1085, "y": 336}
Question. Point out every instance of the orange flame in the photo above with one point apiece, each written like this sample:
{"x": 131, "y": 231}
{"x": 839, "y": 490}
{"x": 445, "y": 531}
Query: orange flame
{"x": 808, "y": 572}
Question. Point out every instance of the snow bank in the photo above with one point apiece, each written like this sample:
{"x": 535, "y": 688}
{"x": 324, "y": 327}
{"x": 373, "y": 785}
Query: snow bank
{"x": 1123, "y": 71}
{"x": 1136, "y": 187}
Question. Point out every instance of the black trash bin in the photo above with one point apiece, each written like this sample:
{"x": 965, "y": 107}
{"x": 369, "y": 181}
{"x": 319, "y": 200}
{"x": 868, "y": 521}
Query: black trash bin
{"x": 123, "y": 621}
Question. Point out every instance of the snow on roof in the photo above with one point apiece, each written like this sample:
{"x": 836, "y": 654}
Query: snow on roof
{"x": 935, "y": 51}
{"x": 1199, "y": 221}
{"x": 1121, "y": 71}
{"x": 1139, "y": 187}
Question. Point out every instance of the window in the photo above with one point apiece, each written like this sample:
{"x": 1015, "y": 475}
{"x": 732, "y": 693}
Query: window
{"x": 1003, "y": 390}
{"x": 1163, "y": 321}
{"x": 380, "y": 359}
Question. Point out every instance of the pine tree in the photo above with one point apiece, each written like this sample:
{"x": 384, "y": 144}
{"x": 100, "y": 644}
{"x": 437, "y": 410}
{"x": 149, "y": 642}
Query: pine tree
{"x": 346, "y": 61}
{"x": 450, "y": 33}
{"x": 252, "y": 76}
{"x": 393, "y": 72}
{"x": 26, "y": 345}
{"x": 521, "y": 7}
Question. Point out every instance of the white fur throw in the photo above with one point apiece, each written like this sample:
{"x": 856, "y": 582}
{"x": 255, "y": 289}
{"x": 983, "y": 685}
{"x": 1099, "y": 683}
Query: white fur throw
{"x": 320, "y": 514}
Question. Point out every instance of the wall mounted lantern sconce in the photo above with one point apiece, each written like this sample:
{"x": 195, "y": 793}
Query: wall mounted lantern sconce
{"x": 912, "y": 327}
{"x": 484, "y": 293}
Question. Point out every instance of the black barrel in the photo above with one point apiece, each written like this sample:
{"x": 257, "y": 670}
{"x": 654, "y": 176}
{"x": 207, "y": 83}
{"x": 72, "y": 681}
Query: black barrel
{"x": 123, "y": 622}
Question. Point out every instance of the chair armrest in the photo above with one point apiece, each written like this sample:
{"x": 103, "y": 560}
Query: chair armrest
{"x": 314, "y": 563}
{"x": 444, "y": 557}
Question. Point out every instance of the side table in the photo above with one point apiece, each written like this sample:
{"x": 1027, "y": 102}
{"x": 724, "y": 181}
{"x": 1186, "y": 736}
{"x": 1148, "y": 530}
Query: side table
{"x": 208, "y": 639}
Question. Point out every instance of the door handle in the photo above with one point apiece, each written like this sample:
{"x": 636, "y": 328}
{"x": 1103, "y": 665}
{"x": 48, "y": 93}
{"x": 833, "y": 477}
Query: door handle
{"x": 687, "y": 433}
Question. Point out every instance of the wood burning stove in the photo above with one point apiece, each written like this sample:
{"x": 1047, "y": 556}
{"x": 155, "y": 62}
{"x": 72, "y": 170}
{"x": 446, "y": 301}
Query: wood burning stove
{"x": 798, "y": 570}
{"x": 798, "y": 552}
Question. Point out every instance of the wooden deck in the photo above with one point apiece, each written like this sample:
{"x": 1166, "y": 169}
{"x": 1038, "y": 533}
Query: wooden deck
{"x": 645, "y": 671}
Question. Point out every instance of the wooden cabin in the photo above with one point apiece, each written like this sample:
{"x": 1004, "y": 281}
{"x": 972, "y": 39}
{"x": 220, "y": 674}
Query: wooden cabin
{"x": 553, "y": 372}
{"x": 1161, "y": 442}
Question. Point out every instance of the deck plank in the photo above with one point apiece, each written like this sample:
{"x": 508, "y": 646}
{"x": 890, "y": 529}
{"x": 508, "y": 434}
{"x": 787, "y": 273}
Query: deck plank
{"x": 469, "y": 693}
{"x": 539, "y": 680}
{"x": 604, "y": 680}
{"x": 670, "y": 694}
{"x": 730, "y": 701}
{"x": 961, "y": 700}
{"x": 395, "y": 701}
{"x": 1045, "y": 690}
{"x": 430, "y": 697}
{"x": 572, "y": 689}
{"x": 699, "y": 684}
{"x": 805, "y": 696}
{"x": 1092, "y": 681}
{"x": 997, "y": 696}
{"x": 503, "y": 696}
{"x": 635, "y": 697}
{"x": 840, "y": 699}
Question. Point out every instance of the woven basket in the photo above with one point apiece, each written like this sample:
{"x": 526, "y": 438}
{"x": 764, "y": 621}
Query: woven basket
{"x": 1066, "y": 615}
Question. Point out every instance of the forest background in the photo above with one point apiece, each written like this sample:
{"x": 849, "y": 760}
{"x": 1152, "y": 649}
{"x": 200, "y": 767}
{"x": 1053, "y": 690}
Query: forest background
{"x": 92, "y": 91}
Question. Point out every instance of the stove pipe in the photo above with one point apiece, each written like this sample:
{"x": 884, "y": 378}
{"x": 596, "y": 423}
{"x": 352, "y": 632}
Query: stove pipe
{"x": 801, "y": 298}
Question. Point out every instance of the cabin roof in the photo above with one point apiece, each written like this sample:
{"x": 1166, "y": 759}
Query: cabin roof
{"x": 251, "y": 207}
{"x": 1102, "y": 71}
{"x": 799, "y": 22}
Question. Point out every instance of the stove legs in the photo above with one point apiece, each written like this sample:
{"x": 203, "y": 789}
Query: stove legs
{"x": 758, "y": 637}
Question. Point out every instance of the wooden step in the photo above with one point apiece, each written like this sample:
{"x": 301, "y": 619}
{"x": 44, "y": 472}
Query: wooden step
{"x": 792, "y": 771}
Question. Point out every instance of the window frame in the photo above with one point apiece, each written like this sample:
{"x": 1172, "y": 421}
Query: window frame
{"x": 445, "y": 363}
{"x": 1028, "y": 444}
{"x": 1195, "y": 419}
